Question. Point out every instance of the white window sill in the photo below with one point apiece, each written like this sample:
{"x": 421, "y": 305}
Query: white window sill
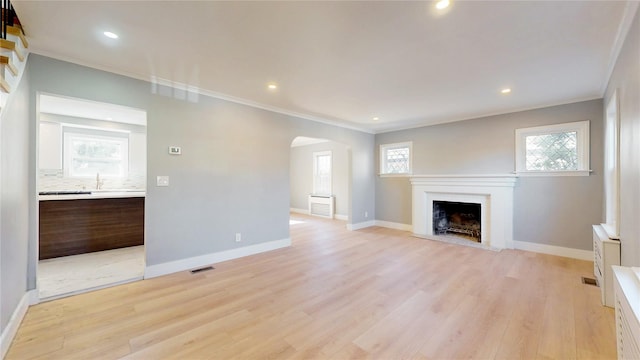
{"x": 394, "y": 175}
{"x": 611, "y": 233}
{"x": 555, "y": 173}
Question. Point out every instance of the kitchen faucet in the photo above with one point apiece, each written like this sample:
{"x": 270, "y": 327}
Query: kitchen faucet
{"x": 99, "y": 182}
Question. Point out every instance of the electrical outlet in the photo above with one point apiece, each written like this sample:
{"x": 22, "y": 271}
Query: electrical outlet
{"x": 238, "y": 237}
{"x": 366, "y": 214}
{"x": 162, "y": 181}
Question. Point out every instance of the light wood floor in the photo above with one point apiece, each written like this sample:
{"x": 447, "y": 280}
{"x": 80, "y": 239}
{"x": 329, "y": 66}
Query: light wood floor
{"x": 374, "y": 293}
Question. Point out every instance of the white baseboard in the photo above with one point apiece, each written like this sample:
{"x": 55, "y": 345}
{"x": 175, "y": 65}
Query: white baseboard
{"x": 208, "y": 259}
{"x": 34, "y": 297}
{"x": 306, "y": 212}
{"x": 394, "y": 225}
{"x": 82, "y": 291}
{"x": 554, "y": 250}
{"x": 10, "y": 331}
{"x": 341, "y": 217}
{"x": 299, "y": 211}
{"x": 361, "y": 225}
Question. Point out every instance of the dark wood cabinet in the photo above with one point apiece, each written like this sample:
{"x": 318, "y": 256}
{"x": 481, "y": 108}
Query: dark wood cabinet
{"x": 71, "y": 227}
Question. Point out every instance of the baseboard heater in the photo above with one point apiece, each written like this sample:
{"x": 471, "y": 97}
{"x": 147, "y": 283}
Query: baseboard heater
{"x": 322, "y": 205}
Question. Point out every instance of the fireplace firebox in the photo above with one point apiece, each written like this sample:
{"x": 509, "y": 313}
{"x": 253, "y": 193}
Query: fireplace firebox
{"x": 458, "y": 219}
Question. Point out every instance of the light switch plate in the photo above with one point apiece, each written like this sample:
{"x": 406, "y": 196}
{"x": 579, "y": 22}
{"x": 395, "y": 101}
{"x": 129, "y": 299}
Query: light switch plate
{"x": 175, "y": 150}
{"x": 162, "y": 181}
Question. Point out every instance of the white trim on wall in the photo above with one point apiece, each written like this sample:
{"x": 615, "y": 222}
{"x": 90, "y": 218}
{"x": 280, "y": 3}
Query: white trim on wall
{"x": 34, "y": 297}
{"x": 341, "y": 217}
{"x": 394, "y": 225}
{"x": 612, "y": 167}
{"x": 299, "y": 211}
{"x": 361, "y": 225}
{"x": 382, "y": 155}
{"x": 581, "y": 128}
{"x": 554, "y": 250}
{"x": 212, "y": 258}
{"x": 306, "y": 212}
{"x": 623, "y": 30}
{"x": 520, "y": 245}
{"x": 14, "y": 323}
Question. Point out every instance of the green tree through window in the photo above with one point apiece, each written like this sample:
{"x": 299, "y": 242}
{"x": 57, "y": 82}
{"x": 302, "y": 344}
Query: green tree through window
{"x": 552, "y": 152}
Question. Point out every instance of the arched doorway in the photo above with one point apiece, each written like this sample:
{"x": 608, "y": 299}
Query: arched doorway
{"x": 320, "y": 178}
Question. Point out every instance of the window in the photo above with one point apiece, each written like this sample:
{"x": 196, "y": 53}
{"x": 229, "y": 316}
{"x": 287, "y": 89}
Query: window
{"x": 561, "y": 149}
{"x": 322, "y": 173}
{"x": 395, "y": 159}
{"x": 86, "y": 155}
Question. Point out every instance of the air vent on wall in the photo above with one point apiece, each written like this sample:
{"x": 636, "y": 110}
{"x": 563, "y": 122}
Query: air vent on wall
{"x": 321, "y": 206}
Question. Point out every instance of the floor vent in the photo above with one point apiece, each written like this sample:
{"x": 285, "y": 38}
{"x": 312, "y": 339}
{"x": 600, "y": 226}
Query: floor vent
{"x": 589, "y": 281}
{"x": 195, "y": 271}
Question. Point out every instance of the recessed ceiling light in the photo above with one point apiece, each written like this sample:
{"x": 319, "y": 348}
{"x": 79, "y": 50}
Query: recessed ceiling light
{"x": 110, "y": 35}
{"x": 109, "y": 118}
{"x": 375, "y": 118}
{"x": 506, "y": 91}
{"x": 272, "y": 86}
{"x": 442, "y": 4}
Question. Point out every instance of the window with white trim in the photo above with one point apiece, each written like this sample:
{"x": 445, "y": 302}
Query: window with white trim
{"x": 561, "y": 149}
{"x": 322, "y": 173}
{"x": 86, "y": 155}
{"x": 395, "y": 159}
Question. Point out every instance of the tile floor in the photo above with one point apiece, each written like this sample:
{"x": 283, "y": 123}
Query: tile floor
{"x": 75, "y": 274}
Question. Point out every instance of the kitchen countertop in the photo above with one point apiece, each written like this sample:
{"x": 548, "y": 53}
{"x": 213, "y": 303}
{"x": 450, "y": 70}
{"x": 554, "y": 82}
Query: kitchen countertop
{"x": 96, "y": 194}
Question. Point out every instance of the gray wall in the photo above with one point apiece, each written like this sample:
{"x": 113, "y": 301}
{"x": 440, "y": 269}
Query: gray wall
{"x": 626, "y": 79}
{"x": 233, "y": 174}
{"x": 547, "y": 210}
{"x": 14, "y": 200}
{"x": 302, "y": 174}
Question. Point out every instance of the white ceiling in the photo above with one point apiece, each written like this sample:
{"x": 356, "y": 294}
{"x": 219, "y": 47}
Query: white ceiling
{"x": 347, "y": 62}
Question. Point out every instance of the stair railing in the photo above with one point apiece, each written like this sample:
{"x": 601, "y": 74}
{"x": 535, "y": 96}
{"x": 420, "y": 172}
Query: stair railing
{"x": 8, "y": 16}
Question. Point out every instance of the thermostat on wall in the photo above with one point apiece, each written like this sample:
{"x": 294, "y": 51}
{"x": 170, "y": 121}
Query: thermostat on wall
{"x": 175, "y": 150}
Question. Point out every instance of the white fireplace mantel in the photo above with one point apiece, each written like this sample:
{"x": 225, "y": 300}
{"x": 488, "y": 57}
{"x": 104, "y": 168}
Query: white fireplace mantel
{"x": 503, "y": 180}
{"x": 494, "y": 192}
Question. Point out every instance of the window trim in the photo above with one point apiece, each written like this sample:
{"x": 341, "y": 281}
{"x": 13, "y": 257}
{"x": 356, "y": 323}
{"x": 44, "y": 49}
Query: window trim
{"x": 582, "y": 146}
{"x": 611, "y": 170}
{"x": 382, "y": 158}
{"x": 317, "y": 154}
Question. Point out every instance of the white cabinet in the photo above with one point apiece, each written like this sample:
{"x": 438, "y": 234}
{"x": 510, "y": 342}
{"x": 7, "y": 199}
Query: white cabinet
{"x": 627, "y": 301}
{"x": 606, "y": 252}
{"x": 50, "y": 145}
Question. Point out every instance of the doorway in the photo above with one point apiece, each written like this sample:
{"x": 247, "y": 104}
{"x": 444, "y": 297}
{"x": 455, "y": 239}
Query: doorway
{"x": 320, "y": 178}
{"x": 91, "y": 190}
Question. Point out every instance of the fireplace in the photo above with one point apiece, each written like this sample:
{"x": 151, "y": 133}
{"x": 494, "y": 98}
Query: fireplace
{"x": 457, "y": 219}
{"x": 486, "y": 220}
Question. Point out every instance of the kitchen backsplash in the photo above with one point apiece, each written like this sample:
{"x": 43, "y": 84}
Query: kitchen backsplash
{"x": 51, "y": 180}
